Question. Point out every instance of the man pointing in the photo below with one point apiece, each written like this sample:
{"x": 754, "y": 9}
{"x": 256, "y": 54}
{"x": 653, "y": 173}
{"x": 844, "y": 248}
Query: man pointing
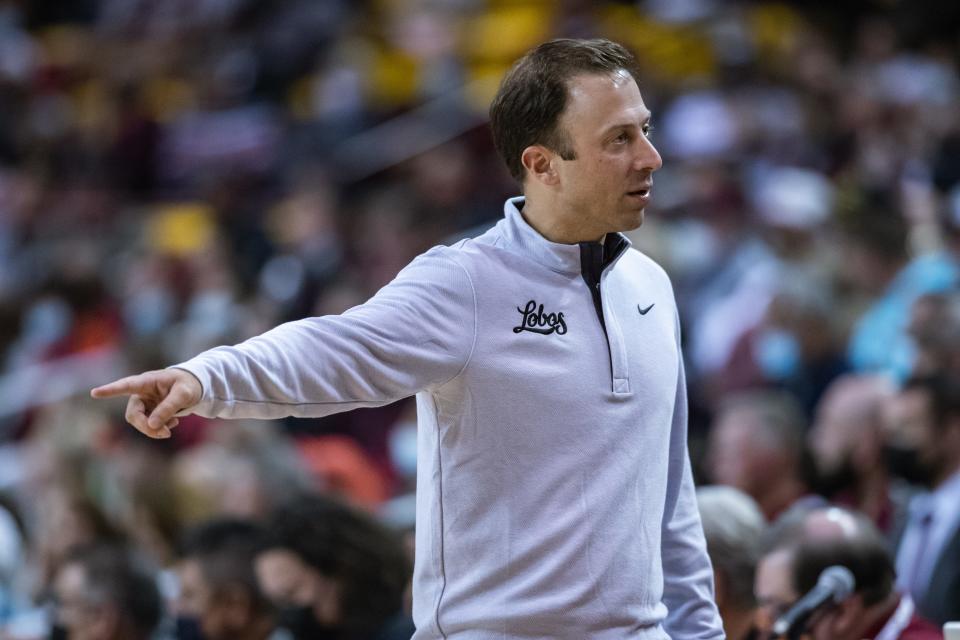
{"x": 554, "y": 493}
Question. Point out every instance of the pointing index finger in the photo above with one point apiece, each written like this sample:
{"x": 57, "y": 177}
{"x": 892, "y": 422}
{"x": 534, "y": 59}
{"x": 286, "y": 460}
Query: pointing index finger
{"x": 123, "y": 386}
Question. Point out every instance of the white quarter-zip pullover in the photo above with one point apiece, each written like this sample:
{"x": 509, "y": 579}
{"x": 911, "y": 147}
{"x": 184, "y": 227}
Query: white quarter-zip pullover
{"x": 554, "y": 492}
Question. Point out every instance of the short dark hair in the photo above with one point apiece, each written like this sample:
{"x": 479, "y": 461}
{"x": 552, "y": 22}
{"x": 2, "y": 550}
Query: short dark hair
{"x": 943, "y": 390}
{"x": 533, "y": 95}
{"x": 114, "y": 575}
{"x": 365, "y": 557}
{"x": 867, "y": 219}
{"x": 864, "y": 553}
{"x": 225, "y": 550}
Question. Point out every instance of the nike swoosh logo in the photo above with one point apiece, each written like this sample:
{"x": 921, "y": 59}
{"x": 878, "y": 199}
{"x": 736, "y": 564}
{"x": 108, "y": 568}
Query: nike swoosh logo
{"x": 643, "y": 312}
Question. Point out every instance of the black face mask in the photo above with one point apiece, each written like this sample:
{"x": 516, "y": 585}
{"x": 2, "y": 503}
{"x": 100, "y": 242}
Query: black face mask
{"x": 300, "y": 622}
{"x": 842, "y": 478}
{"x": 188, "y": 628}
{"x": 905, "y": 463}
{"x": 58, "y": 632}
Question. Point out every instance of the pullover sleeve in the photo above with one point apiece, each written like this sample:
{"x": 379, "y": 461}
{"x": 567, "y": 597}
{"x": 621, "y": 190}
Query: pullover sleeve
{"x": 687, "y": 572}
{"x": 416, "y": 333}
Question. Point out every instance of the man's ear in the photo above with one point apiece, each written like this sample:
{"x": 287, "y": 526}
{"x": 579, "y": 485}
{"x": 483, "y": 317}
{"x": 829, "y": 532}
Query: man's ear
{"x": 719, "y": 587}
{"x": 538, "y": 161}
{"x": 849, "y": 615}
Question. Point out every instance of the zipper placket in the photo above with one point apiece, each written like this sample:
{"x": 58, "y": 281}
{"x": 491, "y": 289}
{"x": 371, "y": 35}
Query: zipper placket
{"x": 603, "y": 327}
{"x": 596, "y": 293}
{"x": 615, "y": 348}
{"x": 597, "y": 296}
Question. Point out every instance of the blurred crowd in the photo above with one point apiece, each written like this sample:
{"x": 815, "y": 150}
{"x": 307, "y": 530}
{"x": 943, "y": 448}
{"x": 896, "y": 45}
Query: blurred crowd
{"x": 177, "y": 174}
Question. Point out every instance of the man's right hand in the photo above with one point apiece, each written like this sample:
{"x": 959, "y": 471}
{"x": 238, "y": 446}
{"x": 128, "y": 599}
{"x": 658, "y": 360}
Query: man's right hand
{"x": 155, "y": 396}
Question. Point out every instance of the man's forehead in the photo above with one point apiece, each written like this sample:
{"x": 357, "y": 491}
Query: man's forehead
{"x": 773, "y": 573}
{"x": 71, "y": 577}
{"x": 189, "y": 568}
{"x": 617, "y": 77}
{"x": 599, "y": 93}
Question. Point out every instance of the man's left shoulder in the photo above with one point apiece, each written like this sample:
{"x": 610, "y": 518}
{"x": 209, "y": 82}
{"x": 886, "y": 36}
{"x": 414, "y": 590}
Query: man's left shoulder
{"x": 635, "y": 259}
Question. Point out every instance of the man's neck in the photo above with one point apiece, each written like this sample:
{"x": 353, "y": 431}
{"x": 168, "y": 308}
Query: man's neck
{"x": 550, "y": 221}
{"x": 872, "y": 492}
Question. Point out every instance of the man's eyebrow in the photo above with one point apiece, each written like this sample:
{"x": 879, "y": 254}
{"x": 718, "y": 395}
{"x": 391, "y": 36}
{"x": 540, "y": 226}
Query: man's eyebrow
{"x": 627, "y": 125}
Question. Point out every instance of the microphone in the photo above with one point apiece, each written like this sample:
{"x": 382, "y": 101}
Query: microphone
{"x": 834, "y": 585}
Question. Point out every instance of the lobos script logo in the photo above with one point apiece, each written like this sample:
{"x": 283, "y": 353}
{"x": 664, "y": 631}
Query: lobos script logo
{"x": 535, "y": 320}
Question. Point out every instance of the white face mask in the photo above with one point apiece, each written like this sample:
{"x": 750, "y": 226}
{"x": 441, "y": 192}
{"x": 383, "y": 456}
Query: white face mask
{"x": 149, "y": 311}
{"x": 777, "y": 352}
{"x": 403, "y": 448}
{"x": 47, "y": 320}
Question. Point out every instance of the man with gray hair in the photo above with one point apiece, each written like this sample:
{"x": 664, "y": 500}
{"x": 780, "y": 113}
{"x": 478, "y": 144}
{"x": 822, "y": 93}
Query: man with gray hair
{"x": 732, "y": 526}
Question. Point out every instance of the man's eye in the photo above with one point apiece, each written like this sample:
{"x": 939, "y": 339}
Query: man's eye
{"x": 647, "y": 130}
{"x": 623, "y": 137}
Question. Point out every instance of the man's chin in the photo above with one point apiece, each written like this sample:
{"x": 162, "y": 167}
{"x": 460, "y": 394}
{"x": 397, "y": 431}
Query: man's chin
{"x": 634, "y": 220}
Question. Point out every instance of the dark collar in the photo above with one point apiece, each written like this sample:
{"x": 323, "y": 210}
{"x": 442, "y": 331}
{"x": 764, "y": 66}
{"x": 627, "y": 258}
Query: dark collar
{"x": 565, "y": 258}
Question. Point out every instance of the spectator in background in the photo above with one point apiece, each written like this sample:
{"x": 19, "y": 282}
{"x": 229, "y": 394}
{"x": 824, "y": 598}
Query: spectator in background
{"x": 103, "y": 593}
{"x": 935, "y": 329}
{"x": 68, "y": 520}
{"x": 241, "y": 470}
{"x": 757, "y": 445}
{"x": 794, "y": 346}
{"x": 847, "y": 442}
{"x": 219, "y": 598}
{"x": 334, "y": 572}
{"x": 874, "y": 246}
{"x": 12, "y": 556}
{"x": 924, "y": 423}
{"x": 732, "y": 526}
{"x": 829, "y": 537}
{"x": 761, "y": 317}
{"x": 773, "y": 590}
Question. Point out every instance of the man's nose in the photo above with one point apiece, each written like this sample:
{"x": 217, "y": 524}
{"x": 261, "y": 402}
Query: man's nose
{"x": 648, "y": 158}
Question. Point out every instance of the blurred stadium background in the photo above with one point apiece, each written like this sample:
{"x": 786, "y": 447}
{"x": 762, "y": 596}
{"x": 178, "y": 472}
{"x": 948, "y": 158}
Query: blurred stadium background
{"x": 178, "y": 174}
